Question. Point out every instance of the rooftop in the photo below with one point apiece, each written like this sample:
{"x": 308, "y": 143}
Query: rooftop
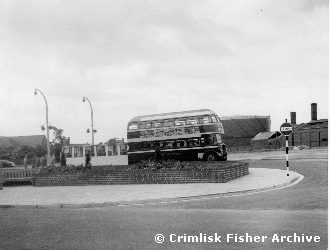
{"x": 172, "y": 115}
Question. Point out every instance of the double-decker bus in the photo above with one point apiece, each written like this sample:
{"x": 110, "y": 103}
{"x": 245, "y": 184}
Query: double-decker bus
{"x": 187, "y": 135}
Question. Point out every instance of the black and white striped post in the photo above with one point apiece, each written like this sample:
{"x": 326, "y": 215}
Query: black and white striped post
{"x": 286, "y": 130}
{"x": 287, "y": 153}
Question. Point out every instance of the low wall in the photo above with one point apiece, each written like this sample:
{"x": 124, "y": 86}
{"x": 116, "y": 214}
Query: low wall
{"x": 147, "y": 176}
{"x": 100, "y": 160}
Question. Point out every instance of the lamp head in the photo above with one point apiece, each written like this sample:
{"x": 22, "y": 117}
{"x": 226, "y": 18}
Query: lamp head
{"x": 83, "y": 99}
{"x": 35, "y": 92}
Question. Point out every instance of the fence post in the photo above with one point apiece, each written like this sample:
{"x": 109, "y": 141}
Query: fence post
{"x": 32, "y": 176}
{"x": 2, "y": 179}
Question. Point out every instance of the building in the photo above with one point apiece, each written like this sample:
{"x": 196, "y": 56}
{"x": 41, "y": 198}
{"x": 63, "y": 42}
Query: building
{"x": 115, "y": 144}
{"x": 102, "y": 154}
{"x": 239, "y": 130}
{"x": 267, "y": 140}
{"x": 312, "y": 134}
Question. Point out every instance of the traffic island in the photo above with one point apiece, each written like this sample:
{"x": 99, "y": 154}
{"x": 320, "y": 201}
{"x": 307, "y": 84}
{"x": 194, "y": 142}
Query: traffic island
{"x": 145, "y": 173}
{"x": 258, "y": 180}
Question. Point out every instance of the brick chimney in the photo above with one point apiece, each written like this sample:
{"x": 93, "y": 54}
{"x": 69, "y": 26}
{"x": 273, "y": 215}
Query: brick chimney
{"x": 293, "y": 118}
{"x": 314, "y": 111}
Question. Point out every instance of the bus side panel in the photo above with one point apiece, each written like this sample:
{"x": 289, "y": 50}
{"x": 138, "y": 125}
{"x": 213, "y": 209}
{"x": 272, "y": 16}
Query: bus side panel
{"x": 181, "y": 155}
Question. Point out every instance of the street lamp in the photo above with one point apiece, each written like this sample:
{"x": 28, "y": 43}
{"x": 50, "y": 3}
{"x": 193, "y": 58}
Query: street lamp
{"x": 48, "y": 145}
{"x": 84, "y": 99}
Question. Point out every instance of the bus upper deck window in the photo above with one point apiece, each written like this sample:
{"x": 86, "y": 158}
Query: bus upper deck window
{"x": 133, "y": 126}
{"x": 213, "y": 118}
{"x": 205, "y": 119}
{"x": 180, "y": 122}
{"x": 191, "y": 121}
{"x": 168, "y": 123}
{"x": 145, "y": 125}
{"x": 157, "y": 124}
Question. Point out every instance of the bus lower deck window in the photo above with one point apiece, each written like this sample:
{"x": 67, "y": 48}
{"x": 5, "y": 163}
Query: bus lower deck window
{"x": 193, "y": 143}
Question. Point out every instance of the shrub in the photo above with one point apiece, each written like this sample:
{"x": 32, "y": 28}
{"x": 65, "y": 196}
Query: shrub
{"x": 142, "y": 166}
{"x": 301, "y": 147}
{"x": 88, "y": 160}
{"x": 63, "y": 160}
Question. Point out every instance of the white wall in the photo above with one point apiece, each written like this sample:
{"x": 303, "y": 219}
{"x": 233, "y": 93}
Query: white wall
{"x": 100, "y": 160}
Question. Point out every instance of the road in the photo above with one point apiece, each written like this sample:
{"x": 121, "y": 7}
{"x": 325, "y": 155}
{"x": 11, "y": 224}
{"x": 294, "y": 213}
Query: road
{"x": 300, "y": 209}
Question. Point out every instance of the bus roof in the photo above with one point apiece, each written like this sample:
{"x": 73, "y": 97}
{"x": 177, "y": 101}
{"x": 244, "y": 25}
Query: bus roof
{"x": 172, "y": 115}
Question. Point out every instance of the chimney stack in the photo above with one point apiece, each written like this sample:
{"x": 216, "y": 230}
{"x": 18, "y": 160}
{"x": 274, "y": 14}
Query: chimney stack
{"x": 314, "y": 111}
{"x": 293, "y": 118}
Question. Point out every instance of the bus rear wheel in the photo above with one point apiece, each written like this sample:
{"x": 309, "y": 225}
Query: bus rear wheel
{"x": 210, "y": 157}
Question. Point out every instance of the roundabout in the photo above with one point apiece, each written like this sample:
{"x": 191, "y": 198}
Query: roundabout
{"x": 258, "y": 180}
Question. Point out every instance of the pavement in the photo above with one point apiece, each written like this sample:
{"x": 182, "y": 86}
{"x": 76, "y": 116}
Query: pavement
{"x": 258, "y": 180}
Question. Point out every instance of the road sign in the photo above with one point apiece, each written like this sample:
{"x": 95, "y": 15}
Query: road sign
{"x": 286, "y": 129}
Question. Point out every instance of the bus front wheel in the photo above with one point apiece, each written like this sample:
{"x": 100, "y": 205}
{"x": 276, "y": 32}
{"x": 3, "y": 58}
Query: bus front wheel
{"x": 223, "y": 158}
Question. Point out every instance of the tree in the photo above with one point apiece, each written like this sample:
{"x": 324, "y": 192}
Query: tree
{"x": 40, "y": 151}
{"x": 57, "y": 143}
{"x": 58, "y": 136}
{"x": 20, "y": 152}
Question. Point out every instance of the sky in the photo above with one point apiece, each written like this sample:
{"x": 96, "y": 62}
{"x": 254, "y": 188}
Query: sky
{"x": 139, "y": 57}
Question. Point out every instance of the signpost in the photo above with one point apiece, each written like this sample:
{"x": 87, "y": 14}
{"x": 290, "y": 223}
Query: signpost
{"x": 286, "y": 130}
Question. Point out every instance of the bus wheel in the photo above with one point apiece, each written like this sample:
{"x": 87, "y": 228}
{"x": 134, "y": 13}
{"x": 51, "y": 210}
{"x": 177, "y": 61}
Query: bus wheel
{"x": 210, "y": 157}
{"x": 224, "y": 158}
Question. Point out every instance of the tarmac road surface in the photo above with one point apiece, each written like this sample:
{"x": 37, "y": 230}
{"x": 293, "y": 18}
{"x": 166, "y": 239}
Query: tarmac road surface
{"x": 136, "y": 227}
{"x": 299, "y": 210}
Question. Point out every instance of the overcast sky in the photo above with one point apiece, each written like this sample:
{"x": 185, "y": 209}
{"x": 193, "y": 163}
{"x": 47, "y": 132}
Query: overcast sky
{"x": 142, "y": 57}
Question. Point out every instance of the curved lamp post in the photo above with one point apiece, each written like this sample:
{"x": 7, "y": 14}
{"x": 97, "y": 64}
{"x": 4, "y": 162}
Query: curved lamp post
{"x": 84, "y": 99}
{"x": 48, "y": 145}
